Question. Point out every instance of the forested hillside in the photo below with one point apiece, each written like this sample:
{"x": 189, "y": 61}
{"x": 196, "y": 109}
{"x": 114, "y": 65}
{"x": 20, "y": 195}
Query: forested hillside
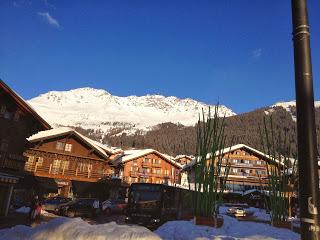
{"x": 177, "y": 139}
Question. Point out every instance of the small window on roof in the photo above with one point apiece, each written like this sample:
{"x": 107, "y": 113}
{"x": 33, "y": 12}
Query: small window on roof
{"x": 60, "y": 146}
{"x": 68, "y": 147}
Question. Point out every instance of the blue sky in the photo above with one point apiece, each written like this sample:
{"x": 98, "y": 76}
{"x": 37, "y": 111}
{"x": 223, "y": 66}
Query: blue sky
{"x": 236, "y": 52}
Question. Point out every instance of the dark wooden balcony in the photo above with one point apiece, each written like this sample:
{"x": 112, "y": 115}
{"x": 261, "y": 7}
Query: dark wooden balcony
{"x": 70, "y": 171}
{"x": 12, "y": 161}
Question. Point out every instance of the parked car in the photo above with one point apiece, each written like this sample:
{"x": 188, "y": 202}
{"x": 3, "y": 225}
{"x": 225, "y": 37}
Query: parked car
{"x": 53, "y": 203}
{"x": 113, "y": 206}
{"x": 80, "y": 207}
{"x": 237, "y": 212}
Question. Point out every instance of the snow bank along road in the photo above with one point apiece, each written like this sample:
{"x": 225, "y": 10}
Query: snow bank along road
{"x": 232, "y": 229}
{"x": 66, "y": 228}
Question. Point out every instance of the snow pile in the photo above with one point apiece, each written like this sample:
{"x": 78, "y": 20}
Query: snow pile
{"x": 232, "y": 229}
{"x": 77, "y": 229}
{"x": 47, "y": 214}
{"x": 260, "y": 214}
{"x": 99, "y": 110}
{"x": 23, "y": 210}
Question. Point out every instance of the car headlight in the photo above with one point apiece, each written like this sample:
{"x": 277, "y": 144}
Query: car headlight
{"x": 155, "y": 220}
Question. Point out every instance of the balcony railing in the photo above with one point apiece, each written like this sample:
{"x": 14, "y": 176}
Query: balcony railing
{"x": 134, "y": 174}
{"x": 12, "y": 161}
{"x": 64, "y": 172}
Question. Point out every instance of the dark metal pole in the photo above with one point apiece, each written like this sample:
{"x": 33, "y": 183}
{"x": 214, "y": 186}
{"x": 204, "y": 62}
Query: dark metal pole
{"x": 307, "y": 143}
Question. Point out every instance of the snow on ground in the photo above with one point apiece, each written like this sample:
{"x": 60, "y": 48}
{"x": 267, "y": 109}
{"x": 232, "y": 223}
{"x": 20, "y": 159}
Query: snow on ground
{"x": 232, "y": 229}
{"x": 23, "y": 210}
{"x": 77, "y": 229}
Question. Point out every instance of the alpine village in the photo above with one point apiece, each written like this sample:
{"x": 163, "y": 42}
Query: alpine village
{"x": 61, "y": 163}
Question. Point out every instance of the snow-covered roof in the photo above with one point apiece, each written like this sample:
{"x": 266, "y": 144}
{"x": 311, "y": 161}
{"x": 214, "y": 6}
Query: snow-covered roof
{"x": 230, "y": 149}
{"x": 55, "y": 132}
{"x": 136, "y": 153}
{"x": 184, "y": 156}
{"x": 108, "y": 149}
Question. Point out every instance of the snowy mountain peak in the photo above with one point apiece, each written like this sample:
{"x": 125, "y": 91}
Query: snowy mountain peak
{"x": 292, "y": 104}
{"x": 289, "y": 107}
{"x": 98, "y": 109}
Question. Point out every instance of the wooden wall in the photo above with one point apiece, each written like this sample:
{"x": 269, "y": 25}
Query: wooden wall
{"x": 15, "y": 126}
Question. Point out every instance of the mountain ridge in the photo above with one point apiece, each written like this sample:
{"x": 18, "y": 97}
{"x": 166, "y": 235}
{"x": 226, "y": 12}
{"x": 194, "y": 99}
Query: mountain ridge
{"x": 84, "y": 106}
{"x": 100, "y": 110}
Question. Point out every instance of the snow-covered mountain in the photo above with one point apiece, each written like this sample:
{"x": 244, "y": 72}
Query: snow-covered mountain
{"x": 99, "y": 110}
{"x": 289, "y": 107}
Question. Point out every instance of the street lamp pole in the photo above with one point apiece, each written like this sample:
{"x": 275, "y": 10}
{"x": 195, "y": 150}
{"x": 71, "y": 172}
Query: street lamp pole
{"x": 307, "y": 143}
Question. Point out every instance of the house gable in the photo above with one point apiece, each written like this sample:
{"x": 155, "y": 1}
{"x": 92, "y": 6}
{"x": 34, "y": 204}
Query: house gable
{"x": 69, "y": 144}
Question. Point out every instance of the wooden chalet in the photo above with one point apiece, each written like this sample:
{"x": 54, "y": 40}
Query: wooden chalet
{"x": 67, "y": 157}
{"x": 18, "y": 120}
{"x": 147, "y": 166}
{"x": 184, "y": 159}
{"x": 248, "y": 168}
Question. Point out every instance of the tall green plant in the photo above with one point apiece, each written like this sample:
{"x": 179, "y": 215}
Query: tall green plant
{"x": 209, "y": 174}
{"x": 279, "y": 169}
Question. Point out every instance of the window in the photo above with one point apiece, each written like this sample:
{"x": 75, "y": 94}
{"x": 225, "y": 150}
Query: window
{"x": 172, "y": 171}
{"x": 145, "y": 170}
{"x": 65, "y": 165}
{"x": 142, "y": 180}
{"x": 4, "y": 145}
{"x": 166, "y": 172}
{"x": 134, "y": 169}
{"x": 236, "y": 170}
{"x": 261, "y": 172}
{"x": 56, "y": 166}
{"x": 146, "y": 160}
{"x": 3, "y": 109}
{"x": 259, "y": 162}
{"x": 157, "y": 171}
{"x": 39, "y": 161}
{"x": 134, "y": 162}
{"x": 60, "y": 146}
{"x": 16, "y": 116}
{"x": 68, "y": 147}
{"x": 30, "y": 160}
{"x": 156, "y": 161}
